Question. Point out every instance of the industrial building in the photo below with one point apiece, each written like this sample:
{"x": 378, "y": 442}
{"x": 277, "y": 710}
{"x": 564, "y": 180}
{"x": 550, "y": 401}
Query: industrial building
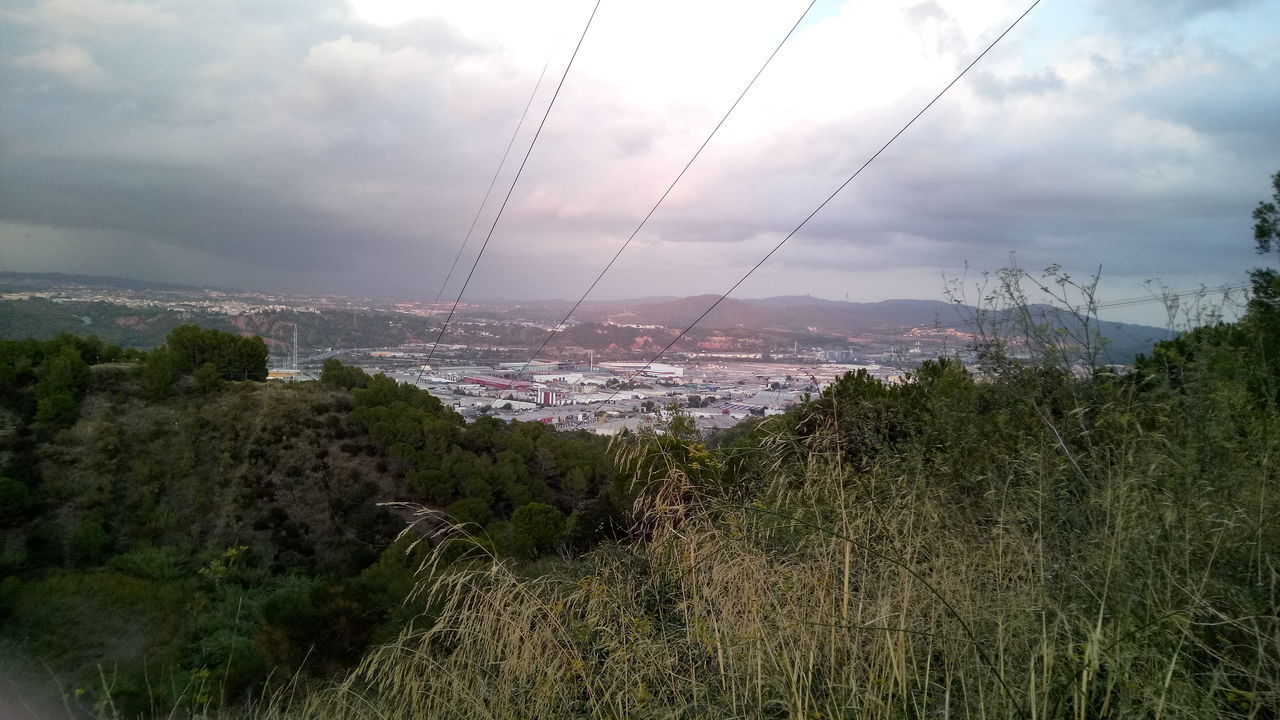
{"x": 549, "y": 396}
{"x": 496, "y": 383}
{"x": 533, "y": 366}
{"x": 654, "y": 370}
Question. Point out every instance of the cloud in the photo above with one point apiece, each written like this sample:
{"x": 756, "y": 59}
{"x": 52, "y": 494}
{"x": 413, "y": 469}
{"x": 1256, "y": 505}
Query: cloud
{"x": 345, "y": 75}
{"x": 69, "y": 61}
{"x": 93, "y": 17}
{"x": 1155, "y": 15}
{"x": 1001, "y": 88}
{"x": 344, "y": 147}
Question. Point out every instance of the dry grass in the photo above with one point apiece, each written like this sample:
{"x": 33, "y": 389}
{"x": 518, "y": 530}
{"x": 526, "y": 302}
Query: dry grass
{"x": 1095, "y": 571}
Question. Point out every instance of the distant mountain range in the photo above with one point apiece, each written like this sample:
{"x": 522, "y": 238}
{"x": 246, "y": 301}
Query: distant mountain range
{"x": 789, "y": 313}
{"x": 805, "y": 318}
{"x": 810, "y": 319}
{"x": 19, "y": 281}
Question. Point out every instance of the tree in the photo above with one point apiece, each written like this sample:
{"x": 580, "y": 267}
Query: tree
{"x": 207, "y": 379}
{"x": 1253, "y": 337}
{"x": 65, "y": 372}
{"x": 62, "y": 381}
{"x": 473, "y": 511}
{"x": 1264, "y": 305}
{"x": 381, "y": 390}
{"x": 88, "y": 543}
{"x": 1266, "y": 235}
{"x": 1266, "y": 229}
{"x": 235, "y": 357}
{"x": 158, "y": 372}
{"x": 576, "y": 483}
{"x": 15, "y": 498}
{"x": 345, "y": 376}
{"x": 536, "y": 529}
{"x": 250, "y": 359}
{"x": 57, "y": 410}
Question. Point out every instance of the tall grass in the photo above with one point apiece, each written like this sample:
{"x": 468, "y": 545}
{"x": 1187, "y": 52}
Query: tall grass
{"x": 1037, "y": 546}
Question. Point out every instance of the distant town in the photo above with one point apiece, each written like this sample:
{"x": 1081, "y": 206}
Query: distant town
{"x": 750, "y": 358}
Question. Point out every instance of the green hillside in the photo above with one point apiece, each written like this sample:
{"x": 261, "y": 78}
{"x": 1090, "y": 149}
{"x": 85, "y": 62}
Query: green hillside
{"x": 170, "y": 539}
{"x": 1025, "y": 544}
{"x": 1033, "y": 540}
{"x": 1030, "y": 542}
{"x": 132, "y": 327}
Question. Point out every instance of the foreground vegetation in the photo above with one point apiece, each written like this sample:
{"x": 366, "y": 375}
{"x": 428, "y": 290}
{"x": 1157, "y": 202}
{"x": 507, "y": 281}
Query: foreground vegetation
{"x": 1043, "y": 539}
{"x": 1031, "y": 543}
{"x": 176, "y": 534}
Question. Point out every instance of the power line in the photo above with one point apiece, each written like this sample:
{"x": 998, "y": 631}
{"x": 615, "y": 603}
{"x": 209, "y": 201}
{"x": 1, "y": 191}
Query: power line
{"x": 514, "y": 180}
{"x": 1040, "y": 315}
{"x": 485, "y": 201}
{"x": 670, "y": 187}
{"x": 837, "y": 191}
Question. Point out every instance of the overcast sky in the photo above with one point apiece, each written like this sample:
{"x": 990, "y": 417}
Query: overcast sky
{"x": 344, "y": 147}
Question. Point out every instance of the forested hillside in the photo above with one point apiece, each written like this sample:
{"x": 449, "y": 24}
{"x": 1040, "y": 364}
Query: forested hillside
{"x": 142, "y": 328}
{"x": 1034, "y": 539}
{"x": 1029, "y": 542}
{"x": 1025, "y": 542}
{"x": 194, "y": 538}
{"x": 179, "y": 537}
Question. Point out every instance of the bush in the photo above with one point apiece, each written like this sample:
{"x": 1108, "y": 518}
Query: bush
{"x": 149, "y": 563}
{"x": 88, "y": 544}
{"x": 15, "y": 499}
{"x": 207, "y": 379}
{"x": 1036, "y": 544}
{"x": 474, "y": 512}
{"x": 344, "y": 376}
{"x": 536, "y": 529}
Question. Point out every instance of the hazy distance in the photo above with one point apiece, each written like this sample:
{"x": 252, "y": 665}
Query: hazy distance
{"x": 344, "y": 146}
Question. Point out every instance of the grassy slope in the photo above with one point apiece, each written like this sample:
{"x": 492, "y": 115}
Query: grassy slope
{"x": 1035, "y": 546}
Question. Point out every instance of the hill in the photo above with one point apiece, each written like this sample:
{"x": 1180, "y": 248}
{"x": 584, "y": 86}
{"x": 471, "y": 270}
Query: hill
{"x": 143, "y": 319}
{"x": 145, "y": 327}
{"x": 18, "y": 281}
{"x": 820, "y": 321}
{"x": 1031, "y": 543}
{"x": 204, "y": 539}
{"x": 990, "y": 544}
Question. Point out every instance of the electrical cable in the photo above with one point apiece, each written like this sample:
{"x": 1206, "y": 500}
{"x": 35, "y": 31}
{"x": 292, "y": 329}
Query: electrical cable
{"x": 514, "y": 180}
{"x": 836, "y": 192}
{"x": 555, "y": 328}
{"x": 1045, "y": 314}
{"x": 485, "y": 201}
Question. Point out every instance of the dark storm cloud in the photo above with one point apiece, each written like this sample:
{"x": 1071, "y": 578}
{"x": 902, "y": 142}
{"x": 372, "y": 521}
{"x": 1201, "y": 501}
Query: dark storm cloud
{"x": 293, "y": 143}
{"x": 259, "y": 135}
{"x": 218, "y": 216}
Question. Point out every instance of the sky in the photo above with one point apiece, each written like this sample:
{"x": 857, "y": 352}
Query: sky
{"x": 331, "y": 146}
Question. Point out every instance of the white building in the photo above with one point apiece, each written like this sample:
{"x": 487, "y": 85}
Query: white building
{"x": 564, "y": 377}
{"x": 656, "y": 370}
